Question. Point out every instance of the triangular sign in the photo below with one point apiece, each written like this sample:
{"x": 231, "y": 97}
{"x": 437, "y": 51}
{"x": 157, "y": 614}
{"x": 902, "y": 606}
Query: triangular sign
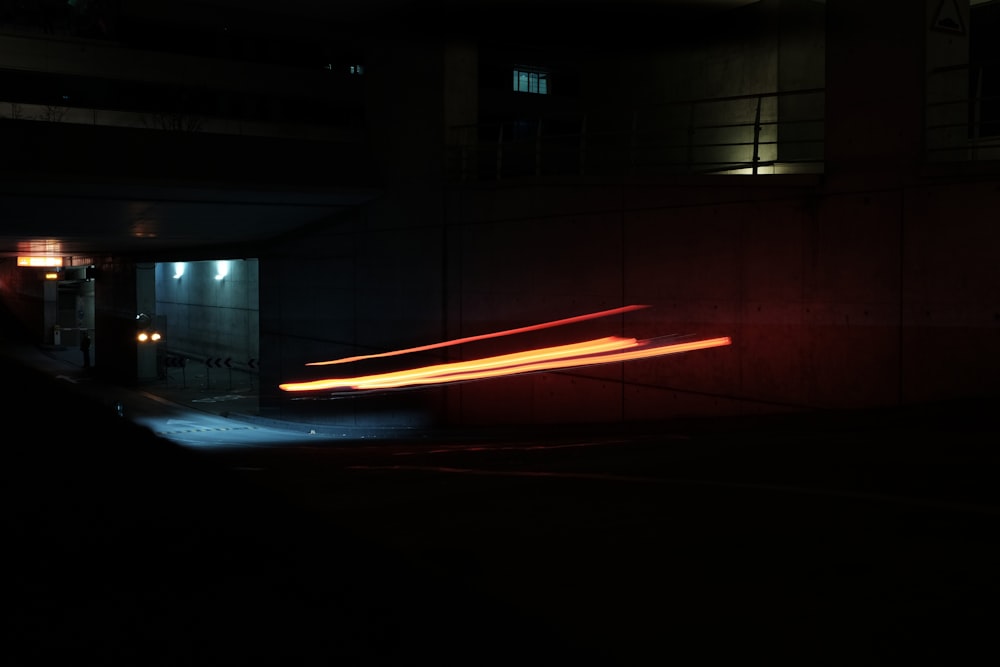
{"x": 949, "y": 18}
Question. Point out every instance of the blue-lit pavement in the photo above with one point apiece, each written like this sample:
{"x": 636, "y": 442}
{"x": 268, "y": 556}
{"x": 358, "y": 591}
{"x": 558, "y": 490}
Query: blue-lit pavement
{"x": 195, "y": 407}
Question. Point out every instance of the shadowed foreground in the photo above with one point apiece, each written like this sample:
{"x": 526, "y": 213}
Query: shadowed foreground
{"x": 123, "y": 548}
{"x": 865, "y": 538}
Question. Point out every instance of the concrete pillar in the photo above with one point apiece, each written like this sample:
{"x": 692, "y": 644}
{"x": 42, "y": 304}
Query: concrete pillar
{"x": 947, "y": 77}
{"x": 461, "y": 107}
{"x": 50, "y": 310}
{"x": 115, "y": 308}
{"x": 875, "y": 75}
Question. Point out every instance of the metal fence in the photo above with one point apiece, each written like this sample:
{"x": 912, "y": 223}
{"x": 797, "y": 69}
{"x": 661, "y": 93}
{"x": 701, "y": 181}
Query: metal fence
{"x": 751, "y": 134}
{"x": 765, "y": 133}
{"x": 963, "y": 113}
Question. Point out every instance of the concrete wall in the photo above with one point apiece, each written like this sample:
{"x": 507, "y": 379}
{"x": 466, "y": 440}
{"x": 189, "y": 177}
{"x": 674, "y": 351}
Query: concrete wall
{"x": 870, "y": 286}
{"x": 23, "y": 291}
{"x": 875, "y": 76}
{"x": 832, "y": 299}
{"x": 843, "y": 301}
{"x": 204, "y": 318}
{"x": 116, "y": 304}
{"x": 372, "y": 281}
{"x": 948, "y": 94}
{"x": 356, "y": 287}
{"x": 950, "y": 342}
{"x": 743, "y": 60}
{"x": 94, "y": 57}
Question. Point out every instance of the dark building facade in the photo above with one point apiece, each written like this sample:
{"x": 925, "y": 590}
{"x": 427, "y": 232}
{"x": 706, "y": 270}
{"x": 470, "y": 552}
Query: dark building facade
{"x": 815, "y": 182}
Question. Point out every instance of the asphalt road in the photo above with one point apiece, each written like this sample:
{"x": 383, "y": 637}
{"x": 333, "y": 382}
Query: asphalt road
{"x": 860, "y": 538}
{"x": 850, "y": 545}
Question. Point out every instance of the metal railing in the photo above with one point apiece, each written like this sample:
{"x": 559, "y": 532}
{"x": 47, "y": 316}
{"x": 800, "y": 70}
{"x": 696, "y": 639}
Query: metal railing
{"x": 963, "y": 113}
{"x": 745, "y": 134}
{"x": 177, "y": 122}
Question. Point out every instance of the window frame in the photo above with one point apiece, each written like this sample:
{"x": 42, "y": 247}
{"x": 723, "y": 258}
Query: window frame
{"x": 531, "y": 80}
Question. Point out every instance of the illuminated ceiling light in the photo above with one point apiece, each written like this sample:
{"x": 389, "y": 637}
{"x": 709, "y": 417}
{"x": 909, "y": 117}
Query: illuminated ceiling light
{"x": 179, "y": 269}
{"x": 222, "y": 269}
{"x": 39, "y": 260}
{"x": 144, "y": 227}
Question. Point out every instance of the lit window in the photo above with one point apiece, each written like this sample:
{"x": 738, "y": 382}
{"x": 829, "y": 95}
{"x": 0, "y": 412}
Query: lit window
{"x": 356, "y": 69}
{"x": 531, "y": 81}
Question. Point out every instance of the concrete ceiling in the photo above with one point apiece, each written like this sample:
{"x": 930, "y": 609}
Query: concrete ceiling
{"x": 94, "y": 219}
{"x": 354, "y": 9}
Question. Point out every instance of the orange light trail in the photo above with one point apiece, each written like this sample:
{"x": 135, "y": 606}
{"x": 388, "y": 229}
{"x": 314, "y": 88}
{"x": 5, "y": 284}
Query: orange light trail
{"x": 587, "y": 353}
{"x": 495, "y": 334}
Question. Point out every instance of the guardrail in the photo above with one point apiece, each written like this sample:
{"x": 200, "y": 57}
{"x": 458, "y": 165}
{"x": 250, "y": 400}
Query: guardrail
{"x": 175, "y": 122}
{"x": 169, "y": 360}
{"x": 753, "y": 134}
{"x": 963, "y": 113}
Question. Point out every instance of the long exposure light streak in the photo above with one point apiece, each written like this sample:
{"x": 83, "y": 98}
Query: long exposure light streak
{"x": 495, "y": 334}
{"x": 587, "y": 353}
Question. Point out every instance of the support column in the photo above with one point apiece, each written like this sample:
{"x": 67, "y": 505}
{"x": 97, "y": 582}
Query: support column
{"x": 115, "y": 308}
{"x": 948, "y": 80}
{"x": 50, "y": 310}
{"x": 875, "y": 77}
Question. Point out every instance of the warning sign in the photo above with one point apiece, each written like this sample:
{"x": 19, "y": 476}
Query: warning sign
{"x": 948, "y": 18}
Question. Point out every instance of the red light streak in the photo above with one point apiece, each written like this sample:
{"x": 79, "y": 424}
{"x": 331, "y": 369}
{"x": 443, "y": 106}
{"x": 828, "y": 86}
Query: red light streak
{"x": 495, "y": 334}
{"x": 587, "y": 353}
